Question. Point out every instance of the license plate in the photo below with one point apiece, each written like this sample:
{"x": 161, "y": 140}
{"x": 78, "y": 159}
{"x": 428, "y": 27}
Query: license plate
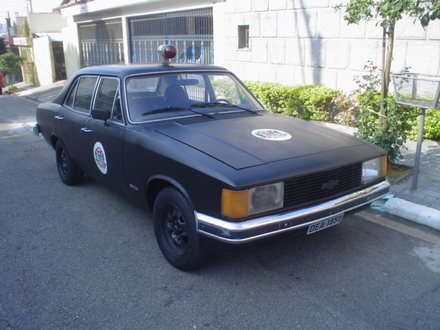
{"x": 323, "y": 224}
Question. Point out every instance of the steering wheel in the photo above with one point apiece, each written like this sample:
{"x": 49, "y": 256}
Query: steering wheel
{"x": 223, "y": 101}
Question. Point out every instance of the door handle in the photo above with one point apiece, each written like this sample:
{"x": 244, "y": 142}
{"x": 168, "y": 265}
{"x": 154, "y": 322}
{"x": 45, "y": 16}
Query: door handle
{"x": 59, "y": 117}
{"x": 86, "y": 130}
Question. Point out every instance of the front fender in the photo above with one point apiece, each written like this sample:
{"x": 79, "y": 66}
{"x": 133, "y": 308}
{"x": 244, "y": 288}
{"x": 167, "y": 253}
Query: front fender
{"x": 156, "y": 183}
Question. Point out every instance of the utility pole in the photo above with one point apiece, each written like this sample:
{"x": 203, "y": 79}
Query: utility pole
{"x": 29, "y": 6}
{"x": 8, "y": 25}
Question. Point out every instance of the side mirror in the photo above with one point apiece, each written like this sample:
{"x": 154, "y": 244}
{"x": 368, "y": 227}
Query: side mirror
{"x": 100, "y": 114}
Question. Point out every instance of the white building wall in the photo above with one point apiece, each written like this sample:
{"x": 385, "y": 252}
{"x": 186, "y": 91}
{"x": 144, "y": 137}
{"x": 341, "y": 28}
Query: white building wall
{"x": 43, "y": 58}
{"x": 307, "y": 42}
{"x": 70, "y": 41}
{"x": 46, "y": 22}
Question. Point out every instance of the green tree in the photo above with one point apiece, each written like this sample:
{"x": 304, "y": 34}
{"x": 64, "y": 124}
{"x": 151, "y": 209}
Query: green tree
{"x": 10, "y": 63}
{"x": 388, "y": 12}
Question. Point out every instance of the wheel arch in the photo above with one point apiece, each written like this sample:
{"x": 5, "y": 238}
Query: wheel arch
{"x": 159, "y": 182}
{"x": 53, "y": 140}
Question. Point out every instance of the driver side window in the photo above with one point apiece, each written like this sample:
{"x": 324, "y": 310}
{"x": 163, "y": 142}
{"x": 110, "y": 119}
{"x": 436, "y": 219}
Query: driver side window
{"x": 107, "y": 97}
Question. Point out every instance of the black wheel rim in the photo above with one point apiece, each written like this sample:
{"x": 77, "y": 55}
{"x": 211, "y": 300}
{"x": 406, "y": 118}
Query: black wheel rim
{"x": 174, "y": 230}
{"x": 64, "y": 161}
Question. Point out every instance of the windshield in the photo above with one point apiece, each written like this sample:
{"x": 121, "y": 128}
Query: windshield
{"x": 164, "y": 96}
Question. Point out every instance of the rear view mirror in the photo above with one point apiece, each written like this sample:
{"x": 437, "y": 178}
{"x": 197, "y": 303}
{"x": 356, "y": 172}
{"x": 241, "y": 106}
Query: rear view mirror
{"x": 100, "y": 114}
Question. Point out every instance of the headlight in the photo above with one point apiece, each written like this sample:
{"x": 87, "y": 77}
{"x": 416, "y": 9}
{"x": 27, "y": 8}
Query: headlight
{"x": 374, "y": 169}
{"x": 242, "y": 203}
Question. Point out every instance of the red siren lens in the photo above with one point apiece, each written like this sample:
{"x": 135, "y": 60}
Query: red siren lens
{"x": 169, "y": 51}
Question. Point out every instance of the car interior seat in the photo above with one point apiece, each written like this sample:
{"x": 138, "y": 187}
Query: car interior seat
{"x": 176, "y": 96}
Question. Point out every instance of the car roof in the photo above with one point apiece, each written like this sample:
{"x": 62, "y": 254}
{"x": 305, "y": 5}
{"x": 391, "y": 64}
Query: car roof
{"x": 124, "y": 70}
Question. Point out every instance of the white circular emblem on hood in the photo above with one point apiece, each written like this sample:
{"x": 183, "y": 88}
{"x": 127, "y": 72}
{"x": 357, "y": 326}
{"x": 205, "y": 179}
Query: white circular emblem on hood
{"x": 100, "y": 158}
{"x": 271, "y": 134}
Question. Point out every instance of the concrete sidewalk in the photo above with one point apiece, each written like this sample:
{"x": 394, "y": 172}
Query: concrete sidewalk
{"x": 421, "y": 205}
{"x": 41, "y": 94}
{"x": 428, "y": 185}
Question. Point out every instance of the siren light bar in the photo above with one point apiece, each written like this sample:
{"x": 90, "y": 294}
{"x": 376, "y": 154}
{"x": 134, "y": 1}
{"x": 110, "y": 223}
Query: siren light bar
{"x": 167, "y": 52}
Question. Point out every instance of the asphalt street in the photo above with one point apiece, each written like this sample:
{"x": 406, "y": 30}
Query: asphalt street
{"x": 84, "y": 257}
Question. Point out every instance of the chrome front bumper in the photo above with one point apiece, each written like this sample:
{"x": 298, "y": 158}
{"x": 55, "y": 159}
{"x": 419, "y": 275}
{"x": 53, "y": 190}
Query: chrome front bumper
{"x": 246, "y": 231}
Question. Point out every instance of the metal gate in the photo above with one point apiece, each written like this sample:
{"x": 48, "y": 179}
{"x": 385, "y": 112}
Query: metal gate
{"x": 190, "y": 31}
{"x": 101, "y": 43}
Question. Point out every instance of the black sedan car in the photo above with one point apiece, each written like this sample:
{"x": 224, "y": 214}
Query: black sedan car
{"x": 194, "y": 144}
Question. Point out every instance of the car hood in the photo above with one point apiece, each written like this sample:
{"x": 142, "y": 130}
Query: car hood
{"x": 253, "y": 140}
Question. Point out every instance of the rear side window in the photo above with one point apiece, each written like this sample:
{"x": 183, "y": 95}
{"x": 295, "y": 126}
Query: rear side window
{"x": 71, "y": 97}
{"x": 80, "y": 96}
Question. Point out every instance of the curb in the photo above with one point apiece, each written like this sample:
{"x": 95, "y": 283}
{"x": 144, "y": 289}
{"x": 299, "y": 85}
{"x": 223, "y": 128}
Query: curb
{"x": 414, "y": 212}
{"x": 401, "y": 208}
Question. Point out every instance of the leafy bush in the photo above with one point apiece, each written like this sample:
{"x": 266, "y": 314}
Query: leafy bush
{"x": 273, "y": 96}
{"x": 304, "y": 101}
{"x": 431, "y": 128}
{"x": 394, "y": 136}
{"x": 10, "y": 63}
{"x": 390, "y": 134}
{"x": 347, "y": 109}
{"x": 313, "y": 102}
{"x": 225, "y": 89}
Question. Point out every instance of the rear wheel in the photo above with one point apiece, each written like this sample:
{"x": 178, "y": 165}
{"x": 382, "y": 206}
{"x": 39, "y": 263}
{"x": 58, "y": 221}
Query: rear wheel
{"x": 69, "y": 173}
{"x": 175, "y": 229}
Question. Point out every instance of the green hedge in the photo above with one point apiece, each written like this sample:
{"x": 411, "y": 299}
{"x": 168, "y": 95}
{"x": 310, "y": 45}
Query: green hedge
{"x": 273, "y": 96}
{"x": 304, "y": 101}
{"x": 431, "y": 128}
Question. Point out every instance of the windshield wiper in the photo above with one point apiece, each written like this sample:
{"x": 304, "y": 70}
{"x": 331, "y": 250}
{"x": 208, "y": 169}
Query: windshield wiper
{"x": 173, "y": 109}
{"x": 162, "y": 110}
{"x": 220, "y": 104}
{"x": 209, "y": 104}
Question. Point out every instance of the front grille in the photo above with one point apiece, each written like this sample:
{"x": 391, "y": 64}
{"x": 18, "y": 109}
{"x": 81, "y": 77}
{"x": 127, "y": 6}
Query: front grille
{"x": 310, "y": 189}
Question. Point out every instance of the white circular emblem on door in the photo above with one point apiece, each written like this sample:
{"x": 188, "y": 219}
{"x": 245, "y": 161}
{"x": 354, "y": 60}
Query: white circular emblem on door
{"x": 271, "y": 134}
{"x": 100, "y": 158}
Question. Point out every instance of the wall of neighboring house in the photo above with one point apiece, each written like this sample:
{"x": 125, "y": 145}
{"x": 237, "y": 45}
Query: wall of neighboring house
{"x": 307, "y": 42}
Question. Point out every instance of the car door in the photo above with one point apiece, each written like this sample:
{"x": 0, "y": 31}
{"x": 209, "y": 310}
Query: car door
{"x": 72, "y": 115}
{"x": 103, "y": 139}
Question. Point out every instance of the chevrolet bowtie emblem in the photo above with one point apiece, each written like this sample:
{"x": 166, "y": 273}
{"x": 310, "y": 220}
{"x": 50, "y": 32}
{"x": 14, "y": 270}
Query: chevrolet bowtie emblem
{"x": 329, "y": 185}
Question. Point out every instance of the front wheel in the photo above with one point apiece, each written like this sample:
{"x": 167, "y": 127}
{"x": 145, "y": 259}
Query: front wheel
{"x": 69, "y": 173}
{"x": 175, "y": 230}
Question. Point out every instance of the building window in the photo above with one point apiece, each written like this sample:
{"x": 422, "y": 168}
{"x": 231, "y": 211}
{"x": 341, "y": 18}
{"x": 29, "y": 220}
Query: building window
{"x": 243, "y": 36}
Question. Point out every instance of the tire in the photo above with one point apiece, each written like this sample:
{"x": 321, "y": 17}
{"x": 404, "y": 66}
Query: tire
{"x": 175, "y": 230}
{"x": 69, "y": 173}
